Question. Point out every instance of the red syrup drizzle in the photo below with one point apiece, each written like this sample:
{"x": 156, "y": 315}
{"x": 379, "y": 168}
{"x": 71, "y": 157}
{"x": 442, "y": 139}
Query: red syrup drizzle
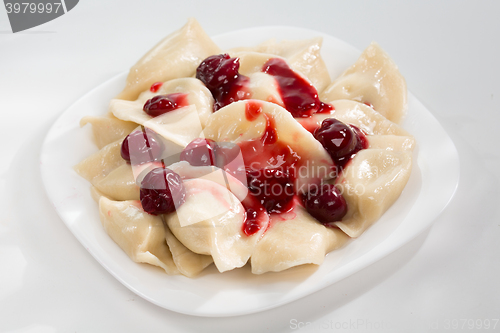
{"x": 299, "y": 96}
{"x": 220, "y": 73}
{"x": 266, "y": 152}
{"x": 255, "y": 215}
{"x": 155, "y": 87}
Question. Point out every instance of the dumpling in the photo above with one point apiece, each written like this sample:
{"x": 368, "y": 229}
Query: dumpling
{"x": 297, "y": 241}
{"x": 188, "y": 263}
{"x": 140, "y": 235}
{"x": 97, "y": 166}
{"x": 371, "y": 182}
{"x": 107, "y": 129}
{"x": 119, "y": 184}
{"x": 303, "y": 56}
{"x": 381, "y": 132}
{"x": 248, "y": 120}
{"x": 373, "y": 79}
{"x": 176, "y": 56}
{"x": 179, "y": 126}
{"x": 391, "y": 142}
{"x": 96, "y": 194}
{"x": 233, "y": 182}
{"x": 359, "y": 115}
{"x": 210, "y": 222}
{"x": 263, "y": 86}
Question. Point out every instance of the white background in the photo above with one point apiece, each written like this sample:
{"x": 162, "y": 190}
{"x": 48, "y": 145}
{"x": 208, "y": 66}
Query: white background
{"x": 449, "y": 53}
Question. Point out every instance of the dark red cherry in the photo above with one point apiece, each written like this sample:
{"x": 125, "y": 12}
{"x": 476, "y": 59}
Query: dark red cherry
{"x": 325, "y": 203}
{"x": 272, "y": 187}
{"x": 161, "y": 104}
{"x": 225, "y": 153}
{"x": 162, "y": 191}
{"x": 199, "y": 152}
{"x": 218, "y": 70}
{"x": 336, "y": 137}
{"x": 141, "y": 146}
{"x": 220, "y": 74}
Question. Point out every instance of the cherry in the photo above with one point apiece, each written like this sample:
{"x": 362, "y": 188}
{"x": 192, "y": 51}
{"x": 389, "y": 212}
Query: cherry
{"x": 141, "y": 146}
{"x": 325, "y": 203}
{"x": 162, "y": 191}
{"x": 336, "y": 137}
{"x": 220, "y": 75}
{"x": 272, "y": 187}
{"x": 225, "y": 153}
{"x": 161, "y": 104}
{"x": 218, "y": 70}
{"x": 202, "y": 152}
{"x": 199, "y": 152}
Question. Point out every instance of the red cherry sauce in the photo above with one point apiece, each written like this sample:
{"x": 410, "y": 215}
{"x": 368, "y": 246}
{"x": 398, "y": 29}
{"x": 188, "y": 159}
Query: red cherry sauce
{"x": 255, "y": 215}
{"x": 265, "y": 153}
{"x": 155, "y": 87}
{"x": 299, "y": 96}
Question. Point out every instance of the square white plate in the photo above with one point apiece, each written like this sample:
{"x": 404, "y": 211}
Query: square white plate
{"x": 431, "y": 186}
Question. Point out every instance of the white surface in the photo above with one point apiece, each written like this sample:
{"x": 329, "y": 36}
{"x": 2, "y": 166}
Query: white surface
{"x": 448, "y": 53}
{"x": 433, "y": 182}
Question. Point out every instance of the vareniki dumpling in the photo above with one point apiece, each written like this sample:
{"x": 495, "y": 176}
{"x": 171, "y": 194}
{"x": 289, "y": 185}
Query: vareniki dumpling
{"x": 139, "y": 234}
{"x": 370, "y": 184}
{"x": 295, "y": 241}
{"x": 210, "y": 222}
{"x": 179, "y": 126}
{"x": 374, "y": 79}
{"x": 303, "y": 56}
{"x": 174, "y": 57}
{"x": 248, "y": 120}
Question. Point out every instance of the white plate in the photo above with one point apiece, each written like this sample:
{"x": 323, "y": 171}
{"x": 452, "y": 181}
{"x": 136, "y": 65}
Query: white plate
{"x": 432, "y": 184}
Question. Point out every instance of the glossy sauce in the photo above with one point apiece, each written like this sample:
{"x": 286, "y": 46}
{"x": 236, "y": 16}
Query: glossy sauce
{"x": 155, "y": 87}
{"x": 299, "y": 96}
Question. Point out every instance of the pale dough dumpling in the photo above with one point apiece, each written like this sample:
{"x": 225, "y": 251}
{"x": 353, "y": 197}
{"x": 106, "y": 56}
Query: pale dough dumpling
{"x": 303, "y": 56}
{"x": 179, "y": 126}
{"x": 373, "y": 79}
{"x": 230, "y": 123}
{"x": 119, "y": 184}
{"x": 210, "y": 222}
{"x": 140, "y": 235}
{"x": 188, "y": 263}
{"x": 263, "y": 86}
{"x": 107, "y": 129}
{"x": 358, "y": 114}
{"x": 97, "y": 166}
{"x": 237, "y": 184}
{"x": 96, "y": 194}
{"x": 370, "y": 184}
{"x": 381, "y": 132}
{"x": 176, "y": 56}
{"x": 297, "y": 241}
